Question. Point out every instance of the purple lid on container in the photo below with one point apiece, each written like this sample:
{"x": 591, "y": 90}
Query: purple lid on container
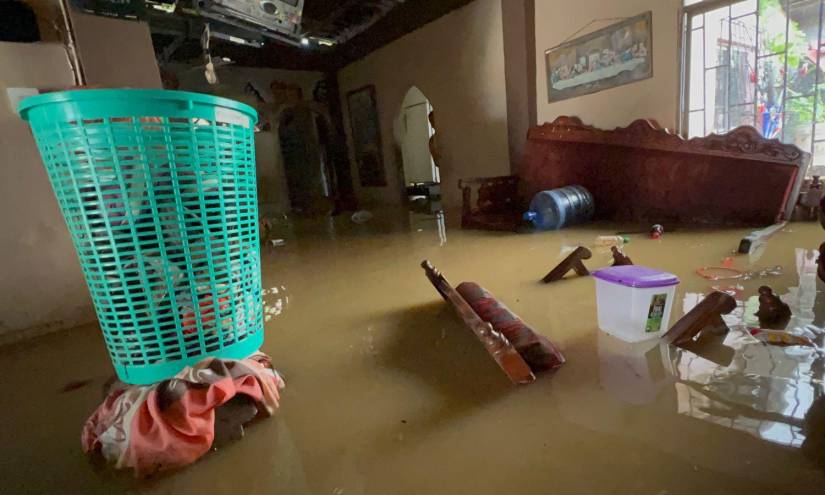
{"x": 639, "y": 277}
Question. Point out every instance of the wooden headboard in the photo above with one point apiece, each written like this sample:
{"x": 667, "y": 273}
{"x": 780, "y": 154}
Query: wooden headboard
{"x": 643, "y": 172}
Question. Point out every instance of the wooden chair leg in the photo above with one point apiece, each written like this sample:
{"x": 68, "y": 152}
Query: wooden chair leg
{"x": 572, "y": 262}
{"x": 619, "y": 258}
{"x": 706, "y": 315}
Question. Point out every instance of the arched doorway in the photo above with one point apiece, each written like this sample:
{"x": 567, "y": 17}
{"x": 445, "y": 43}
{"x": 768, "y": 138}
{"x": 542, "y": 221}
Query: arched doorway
{"x": 415, "y": 136}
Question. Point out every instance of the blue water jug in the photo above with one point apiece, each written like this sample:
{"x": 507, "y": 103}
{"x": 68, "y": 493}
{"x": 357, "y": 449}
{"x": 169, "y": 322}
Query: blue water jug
{"x": 559, "y": 208}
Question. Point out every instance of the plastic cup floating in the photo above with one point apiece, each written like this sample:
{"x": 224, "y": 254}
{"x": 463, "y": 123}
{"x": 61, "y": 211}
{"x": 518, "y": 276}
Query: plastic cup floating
{"x": 634, "y": 302}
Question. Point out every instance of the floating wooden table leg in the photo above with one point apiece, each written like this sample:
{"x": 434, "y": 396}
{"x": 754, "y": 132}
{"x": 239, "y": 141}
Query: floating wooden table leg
{"x": 619, "y": 258}
{"x": 499, "y": 348}
{"x": 572, "y": 262}
{"x": 706, "y": 315}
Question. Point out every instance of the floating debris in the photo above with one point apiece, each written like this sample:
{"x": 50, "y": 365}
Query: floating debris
{"x": 780, "y": 337}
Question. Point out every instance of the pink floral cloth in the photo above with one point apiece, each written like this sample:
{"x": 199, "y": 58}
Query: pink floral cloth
{"x": 172, "y": 423}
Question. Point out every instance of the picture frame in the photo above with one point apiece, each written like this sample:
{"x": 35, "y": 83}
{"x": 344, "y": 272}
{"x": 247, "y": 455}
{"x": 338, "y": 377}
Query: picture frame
{"x": 365, "y": 128}
{"x": 616, "y": 55}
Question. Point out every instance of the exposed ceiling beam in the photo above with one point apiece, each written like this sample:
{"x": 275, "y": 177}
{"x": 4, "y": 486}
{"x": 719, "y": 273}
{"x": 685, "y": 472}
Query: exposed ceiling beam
{"x": 403, "y": 19}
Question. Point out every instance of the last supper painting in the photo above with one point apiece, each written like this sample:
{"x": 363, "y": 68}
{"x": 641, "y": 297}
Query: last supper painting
{"x": 619, "y": 54}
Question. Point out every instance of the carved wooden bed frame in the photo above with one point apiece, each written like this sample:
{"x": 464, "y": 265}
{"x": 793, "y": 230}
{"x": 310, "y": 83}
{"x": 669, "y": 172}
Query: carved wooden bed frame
{"x": 644, "y": 173}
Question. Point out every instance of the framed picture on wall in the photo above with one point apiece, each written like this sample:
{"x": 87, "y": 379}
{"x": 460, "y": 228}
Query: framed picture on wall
{"x": 619, "y": 54}
{"x": 366, "y": 136}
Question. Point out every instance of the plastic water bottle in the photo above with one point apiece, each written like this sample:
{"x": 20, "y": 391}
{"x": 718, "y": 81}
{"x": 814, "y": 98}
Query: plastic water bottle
{"x": 559, "y": 208}
{"x": 612, "y": 240}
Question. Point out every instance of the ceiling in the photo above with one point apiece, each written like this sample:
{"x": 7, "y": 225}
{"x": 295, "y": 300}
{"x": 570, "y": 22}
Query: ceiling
{"x": 342, "y": 20}
{"x": 357, "y": 27}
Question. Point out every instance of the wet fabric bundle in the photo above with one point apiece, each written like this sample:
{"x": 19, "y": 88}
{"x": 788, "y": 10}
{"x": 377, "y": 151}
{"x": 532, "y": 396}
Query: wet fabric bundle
{"x": 171, "y": 424}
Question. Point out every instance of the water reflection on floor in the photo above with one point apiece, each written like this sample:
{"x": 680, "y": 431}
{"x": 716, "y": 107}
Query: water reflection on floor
{"x": 389, "y": 394}
{"x": 767, "y": 390}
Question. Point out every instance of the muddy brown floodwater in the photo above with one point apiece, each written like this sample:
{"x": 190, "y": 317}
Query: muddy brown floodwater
{"x": 387, "y": 393}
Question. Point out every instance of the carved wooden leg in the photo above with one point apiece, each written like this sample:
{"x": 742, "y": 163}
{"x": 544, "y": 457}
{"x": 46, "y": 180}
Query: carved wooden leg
{"x": 619, "y": 259}
{"x": 706, "y": 315}
{"x": 773, "y": 313}
{"x": 572, "y": 262}
{"x": 466, "y": 205}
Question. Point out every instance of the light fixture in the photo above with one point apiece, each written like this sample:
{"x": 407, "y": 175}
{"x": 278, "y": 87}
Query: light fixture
{"x": 305, "y": 41}
{"x": 269, "y": 7}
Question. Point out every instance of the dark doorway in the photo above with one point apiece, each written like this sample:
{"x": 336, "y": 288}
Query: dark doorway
{"x": 304, "y": 135}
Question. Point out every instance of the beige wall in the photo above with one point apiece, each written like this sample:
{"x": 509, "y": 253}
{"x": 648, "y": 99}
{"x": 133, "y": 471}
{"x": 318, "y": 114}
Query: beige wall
{"x": 520, "y": 70}
{"x": 458, "y": 63}
{"x": 41, "y": 286}
{"x": 652, "y": 98}
{"x": 273, "y": 194}
{"x": 49, "y": 20}
{"x": 115, "y": 53}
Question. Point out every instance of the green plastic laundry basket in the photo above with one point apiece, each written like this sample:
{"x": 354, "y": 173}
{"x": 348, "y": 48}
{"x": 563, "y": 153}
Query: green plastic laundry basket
{"x": 158, "y": 190}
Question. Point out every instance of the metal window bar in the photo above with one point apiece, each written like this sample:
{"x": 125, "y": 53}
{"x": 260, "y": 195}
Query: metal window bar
{"x": 817, "y": 79}
{"x": 785, "y": 72}
{"x": 730, "y": 68}
{"x": 756, "y": 69}
{"x": 704, "y": 79}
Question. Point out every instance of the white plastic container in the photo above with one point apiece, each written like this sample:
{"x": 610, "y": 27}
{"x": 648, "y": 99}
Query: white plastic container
{"x": 634, "y": 302}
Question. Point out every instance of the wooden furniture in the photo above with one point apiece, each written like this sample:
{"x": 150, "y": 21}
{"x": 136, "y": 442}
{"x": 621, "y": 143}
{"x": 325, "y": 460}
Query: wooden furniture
{"x": 643, "y": 173}
{"x": 572, "y": 262}
{"x": 707, "y": 315}
{"x": 499, "y": 348}
{"x": 499, "y": 205}
{"x": 619, "y": 258}
{"x": 702, "y": 330}
{"x": 773, "y": 313}
{"x": 538, "y": 351}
